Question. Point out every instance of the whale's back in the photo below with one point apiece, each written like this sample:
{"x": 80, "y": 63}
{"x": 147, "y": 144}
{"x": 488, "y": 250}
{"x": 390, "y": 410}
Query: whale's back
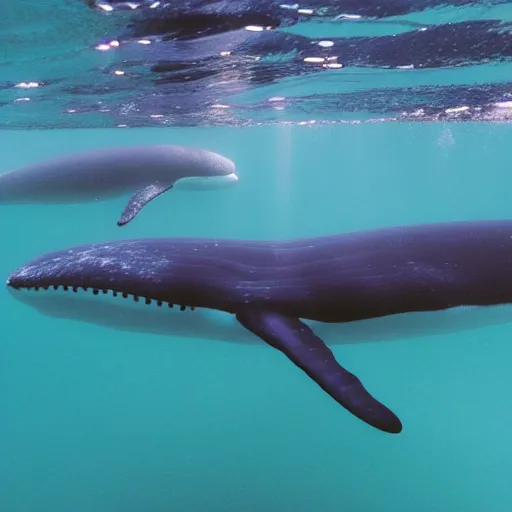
{"x": 417, "y": 268}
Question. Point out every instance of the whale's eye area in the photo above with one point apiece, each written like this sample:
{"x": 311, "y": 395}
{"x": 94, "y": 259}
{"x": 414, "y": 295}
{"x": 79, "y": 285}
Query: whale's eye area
{"x": 104, "y": 291}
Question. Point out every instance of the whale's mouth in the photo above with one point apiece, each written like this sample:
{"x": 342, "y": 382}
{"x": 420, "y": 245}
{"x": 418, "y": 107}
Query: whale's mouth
{"x": 151, "y": 273}
{"x": 26, "y": 293}
{"x": 125, "y": 310}
{"x": 206, "y": 182}
{"x": 122, "y": 311}
{"x": 144, "y": 285}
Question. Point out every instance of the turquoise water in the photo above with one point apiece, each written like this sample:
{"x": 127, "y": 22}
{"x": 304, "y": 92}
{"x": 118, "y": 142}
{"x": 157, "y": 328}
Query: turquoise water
{"x": 99, "y": 420}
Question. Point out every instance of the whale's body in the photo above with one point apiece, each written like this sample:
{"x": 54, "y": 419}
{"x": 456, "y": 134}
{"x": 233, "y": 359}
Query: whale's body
{"x": 100, "y": 174}
{"x": 281, "y": 291}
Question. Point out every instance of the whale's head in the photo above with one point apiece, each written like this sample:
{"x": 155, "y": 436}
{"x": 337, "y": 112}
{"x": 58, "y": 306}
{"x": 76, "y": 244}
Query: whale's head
{"x": 123, "y": 285}
{"x": 116, "y": 286}
{"x": 124, "y": 268}
{"x": 208, "y": 170}
{"x": 154, "y": 273}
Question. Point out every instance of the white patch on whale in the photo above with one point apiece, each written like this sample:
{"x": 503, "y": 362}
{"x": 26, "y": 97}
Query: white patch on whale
{"x": 199, "y": 183}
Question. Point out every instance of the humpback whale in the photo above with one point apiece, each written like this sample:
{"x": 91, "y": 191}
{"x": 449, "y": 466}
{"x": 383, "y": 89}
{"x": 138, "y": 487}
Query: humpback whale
{"x": 276, "y": 290}
{"x": 101, "y": 174}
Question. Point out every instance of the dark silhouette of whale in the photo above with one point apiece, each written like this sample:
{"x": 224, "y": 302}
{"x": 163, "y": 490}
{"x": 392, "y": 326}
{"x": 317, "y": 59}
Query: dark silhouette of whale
{"x": 273, "y": 287}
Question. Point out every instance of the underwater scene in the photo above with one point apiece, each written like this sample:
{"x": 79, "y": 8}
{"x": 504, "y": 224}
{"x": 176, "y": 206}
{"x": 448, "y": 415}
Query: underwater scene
{"x": 257, "y": 255}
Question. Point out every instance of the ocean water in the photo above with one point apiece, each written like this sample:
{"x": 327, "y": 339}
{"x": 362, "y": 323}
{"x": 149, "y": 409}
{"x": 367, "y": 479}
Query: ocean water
{"x": 104, "y": 420}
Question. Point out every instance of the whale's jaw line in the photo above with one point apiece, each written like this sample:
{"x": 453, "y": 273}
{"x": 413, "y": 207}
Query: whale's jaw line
{"x": 126, "y": 314}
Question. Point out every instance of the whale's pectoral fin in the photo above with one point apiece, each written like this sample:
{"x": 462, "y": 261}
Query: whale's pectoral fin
{"x": 141, "y": 199}
{"x": 300, "y": 344}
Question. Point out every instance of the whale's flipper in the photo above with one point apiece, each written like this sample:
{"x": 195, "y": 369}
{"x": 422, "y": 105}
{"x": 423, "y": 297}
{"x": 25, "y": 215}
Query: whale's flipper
{"x": 297, "y": 341}
{"x": 141, "y": 199}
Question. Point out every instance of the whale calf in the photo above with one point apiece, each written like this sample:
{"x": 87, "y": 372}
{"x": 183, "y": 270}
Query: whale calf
{"x": 144, "y": 171}
{"x": 279, "y": 290}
